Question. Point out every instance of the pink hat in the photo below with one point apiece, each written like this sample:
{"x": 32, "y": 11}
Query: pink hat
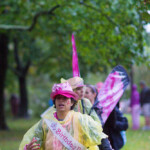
{"x": 99, "y": 85}
{"x": 63, "y": 89}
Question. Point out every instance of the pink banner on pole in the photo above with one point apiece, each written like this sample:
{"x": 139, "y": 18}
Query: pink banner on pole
{"x": 111, "y": 91}
{"x": 75, "y": 65}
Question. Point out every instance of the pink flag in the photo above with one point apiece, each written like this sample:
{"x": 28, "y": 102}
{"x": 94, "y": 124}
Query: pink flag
{"x": 75, "y": 65}
{"x": 111, "y": 91}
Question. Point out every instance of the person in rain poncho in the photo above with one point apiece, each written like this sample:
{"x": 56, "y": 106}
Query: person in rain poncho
{"x": 85, "y": 107}
{"x": 64, "y": 128}
{"x": 135, "y": 108}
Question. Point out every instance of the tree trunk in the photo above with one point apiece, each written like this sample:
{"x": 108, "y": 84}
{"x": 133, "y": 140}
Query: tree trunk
{"x": 3, "y": 69}
{"x": 23, "y": 112}
{"x": 21, "y": 72}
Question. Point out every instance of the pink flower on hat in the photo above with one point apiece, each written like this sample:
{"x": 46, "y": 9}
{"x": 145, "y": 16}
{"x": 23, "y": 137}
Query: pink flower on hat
{"x": 63, "y": 89}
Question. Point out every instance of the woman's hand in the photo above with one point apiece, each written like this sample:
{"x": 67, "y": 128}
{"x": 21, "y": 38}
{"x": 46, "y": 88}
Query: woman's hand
{"x": 32, "y": 145}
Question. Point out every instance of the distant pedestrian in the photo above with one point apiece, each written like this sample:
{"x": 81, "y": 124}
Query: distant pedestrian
{"x": 145, "y": 104}
{"x": 135, "y": 108}
{"x": 14, "y": 103}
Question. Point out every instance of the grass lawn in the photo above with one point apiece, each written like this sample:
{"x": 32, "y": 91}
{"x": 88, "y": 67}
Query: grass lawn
{"x": 137, "y": 140}
{"x": 10, "y": 140}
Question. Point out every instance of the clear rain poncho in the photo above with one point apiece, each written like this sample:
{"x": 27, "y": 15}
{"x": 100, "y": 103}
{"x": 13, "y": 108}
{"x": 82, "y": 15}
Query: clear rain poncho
{"x": 84, "y": 106}
{"x": 81, "y": 127}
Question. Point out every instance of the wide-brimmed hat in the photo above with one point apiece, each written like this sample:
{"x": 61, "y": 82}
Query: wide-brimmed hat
{"x": 63, "y": 89}
{"x": 75, "y": 82}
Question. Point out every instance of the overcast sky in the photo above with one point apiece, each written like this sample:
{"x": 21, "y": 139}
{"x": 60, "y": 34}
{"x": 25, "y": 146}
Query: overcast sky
{"x": 147, "y": 27}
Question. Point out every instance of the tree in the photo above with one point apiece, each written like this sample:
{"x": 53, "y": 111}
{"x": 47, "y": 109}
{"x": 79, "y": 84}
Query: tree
{"x": 107, "y": 33}
{"x": 22, "y": 70}
{"x": 3, "y": 69}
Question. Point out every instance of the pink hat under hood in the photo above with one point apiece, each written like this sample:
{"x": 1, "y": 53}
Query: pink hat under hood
{"x": 63, "y": 89}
